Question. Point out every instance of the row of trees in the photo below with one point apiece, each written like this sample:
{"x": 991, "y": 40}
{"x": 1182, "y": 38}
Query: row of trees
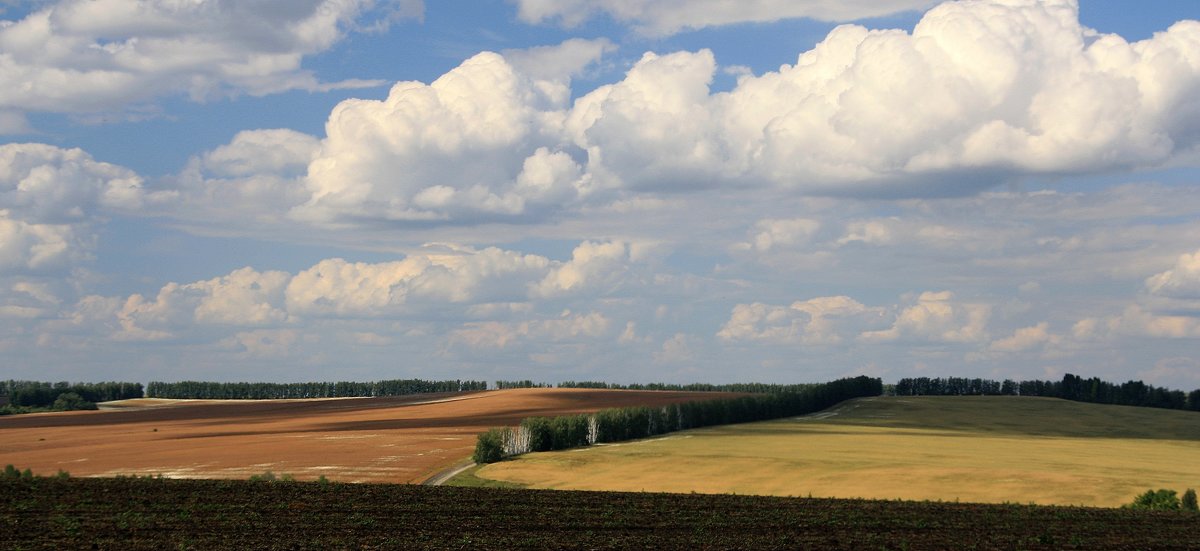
{"x": 1071, "y": 387}
{"x": 751, "y": 388}
{"x": 266, "y": 391}
{"x": 1166, "y": 500}
{"x": 38, "y": 394}
{"x": 502, "y": 385}
{"x": 629, "y": 423}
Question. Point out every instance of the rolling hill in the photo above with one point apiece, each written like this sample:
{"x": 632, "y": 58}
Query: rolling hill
{"x": 969, "y": 448}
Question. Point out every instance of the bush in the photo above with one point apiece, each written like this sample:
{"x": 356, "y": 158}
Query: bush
{"x": 1158, "y": 500}
{"x": 489, "y": 448}
{"x": 70, "y": 401}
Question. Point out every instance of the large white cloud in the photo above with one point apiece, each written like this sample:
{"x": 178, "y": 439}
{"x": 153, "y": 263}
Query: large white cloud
{"x": 50, "y": 200}
{"x": 474, "y": 142}
{"x": 46, "y": 184}
{"x": 936, "y": 317}
{"x": 817, "y": 321}
{"x": 335, "y": 287}
{"x": 252, "y": 181}
{"x": 568, "y": 326}
{"x": 1136, "y": 321}
{"x": 440, "y": 283}
{"x": 101, "y": 55}
{"x": 1025, "y": 339}
{"x": 594, "y": 267}
{"x": 1005, "y": 88}
{"x": 661, "y": 17}
{"x": 981, "y": 92}
{"x": 1181, "y": 281}
{"x": 244, "y": 297}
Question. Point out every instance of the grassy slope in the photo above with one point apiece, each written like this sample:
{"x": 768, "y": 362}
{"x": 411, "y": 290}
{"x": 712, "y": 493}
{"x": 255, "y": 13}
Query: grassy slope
{"x": 976, "y": 449}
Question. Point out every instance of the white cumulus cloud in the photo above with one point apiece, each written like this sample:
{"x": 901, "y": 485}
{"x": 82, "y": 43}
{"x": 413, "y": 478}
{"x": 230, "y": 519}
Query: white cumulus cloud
{"x": 1181, "y": 281}
{"x": 817, "y": 321}
{"x": 50, "y": 201}
{"x": 567, "y": 327}
{"x": 997, "y": 90}
{"x": 78, "y": 56}
{"x": 936, "y": 317}
{"x": 476, "y": 142}
{"x": 663, "y": 17}
{"x": 337, "y": 288}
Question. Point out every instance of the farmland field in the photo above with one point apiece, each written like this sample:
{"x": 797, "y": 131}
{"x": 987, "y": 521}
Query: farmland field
{"x": 395, "y": 439}
{"x": 972, "y": 449}
{"x": 231, "y": 514}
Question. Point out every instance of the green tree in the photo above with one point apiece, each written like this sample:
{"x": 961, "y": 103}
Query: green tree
{"x": 71, "y": 401}
{"x": 489, "y": 448}
{"x": 1188, "y": 503}
{"x": 1159, "y": 500}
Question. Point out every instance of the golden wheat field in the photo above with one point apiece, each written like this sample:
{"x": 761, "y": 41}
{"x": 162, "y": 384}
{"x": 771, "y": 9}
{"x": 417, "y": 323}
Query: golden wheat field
{"x": 970, "y": 449}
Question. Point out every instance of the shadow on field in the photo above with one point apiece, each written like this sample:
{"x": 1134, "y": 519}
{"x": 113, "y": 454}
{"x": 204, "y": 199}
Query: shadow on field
{"x": 1004, "y": 416}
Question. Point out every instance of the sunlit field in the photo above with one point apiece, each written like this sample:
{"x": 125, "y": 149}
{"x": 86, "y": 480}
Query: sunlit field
{"x": 970, "y": 449}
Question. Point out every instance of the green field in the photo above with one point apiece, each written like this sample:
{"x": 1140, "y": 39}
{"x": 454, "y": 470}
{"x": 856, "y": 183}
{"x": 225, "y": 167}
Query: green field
{"x": 969, "y": 448}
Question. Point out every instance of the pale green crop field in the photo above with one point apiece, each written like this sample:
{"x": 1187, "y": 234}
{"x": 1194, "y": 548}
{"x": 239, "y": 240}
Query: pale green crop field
{"x": 970, "y": 449}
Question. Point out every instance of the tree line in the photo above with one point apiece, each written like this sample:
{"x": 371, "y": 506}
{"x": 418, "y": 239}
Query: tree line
{"x": 629, "y": 423}
{"x": 26, "y": 396}
{"x": 526, "y": 383}
{"x": 749, "y": 388}
{"x": 1071, "y": 387}
{"x": 207, "y": 390}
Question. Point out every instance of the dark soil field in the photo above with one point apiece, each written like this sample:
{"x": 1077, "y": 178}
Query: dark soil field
{"x": 229, "y": 514}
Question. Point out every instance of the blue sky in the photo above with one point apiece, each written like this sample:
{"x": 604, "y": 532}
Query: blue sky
{"x": 623, "y": 191}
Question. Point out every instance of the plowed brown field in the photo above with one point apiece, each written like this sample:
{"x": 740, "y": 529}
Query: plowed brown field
{"x": 400, "y": 439}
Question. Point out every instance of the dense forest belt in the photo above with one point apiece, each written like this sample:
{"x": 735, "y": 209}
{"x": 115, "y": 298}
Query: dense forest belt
{"x": 212, "y": 514}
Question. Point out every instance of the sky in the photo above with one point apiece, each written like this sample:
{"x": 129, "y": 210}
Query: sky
{"x": 615, "y": 190}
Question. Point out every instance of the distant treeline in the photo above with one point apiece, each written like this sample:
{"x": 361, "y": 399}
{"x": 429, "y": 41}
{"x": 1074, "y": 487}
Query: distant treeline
{"x": 628, "y": 423}
{"x": 1071, "y": 387}
{"x": 503, "y": 385}
{"x": 267, "y": 391}
{"x": 749, "y": 388}
{"x": 37, "y": 394}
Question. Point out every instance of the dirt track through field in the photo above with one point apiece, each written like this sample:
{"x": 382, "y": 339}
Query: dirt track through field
{"x": 401, "y": 439}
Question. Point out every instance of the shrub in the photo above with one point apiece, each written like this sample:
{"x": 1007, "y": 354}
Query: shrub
{"x": 271, "y": 477}
{"x": 70, "y": 401}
